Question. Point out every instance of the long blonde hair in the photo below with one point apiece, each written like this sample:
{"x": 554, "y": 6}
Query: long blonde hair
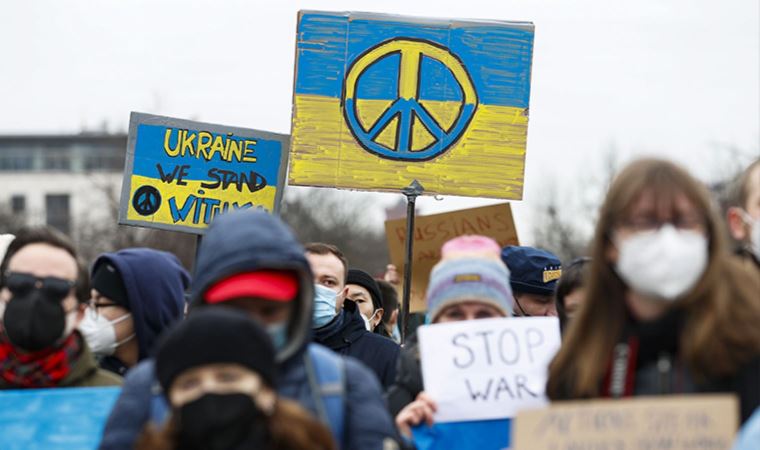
{"x": 721, "y": 331}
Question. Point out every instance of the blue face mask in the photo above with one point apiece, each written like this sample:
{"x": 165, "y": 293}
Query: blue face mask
{"x": 324, "y": 306}
{"x": 278, "y": 332}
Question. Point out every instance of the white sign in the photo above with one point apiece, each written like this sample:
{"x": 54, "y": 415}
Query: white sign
{"x": 488, "y": 368}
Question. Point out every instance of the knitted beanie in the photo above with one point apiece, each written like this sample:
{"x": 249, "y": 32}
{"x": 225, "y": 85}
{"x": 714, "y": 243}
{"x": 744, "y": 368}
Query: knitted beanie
{"x": 470, "y": 270}
{"x": 213, "y": 335}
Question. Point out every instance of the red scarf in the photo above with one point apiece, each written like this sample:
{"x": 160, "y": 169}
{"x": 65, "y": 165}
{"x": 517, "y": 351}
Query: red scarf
{"x": 45, "y": 368}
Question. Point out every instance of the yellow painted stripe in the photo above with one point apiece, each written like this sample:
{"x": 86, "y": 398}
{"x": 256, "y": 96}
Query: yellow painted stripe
{"x": 264, "y": 197}
{"x": 487, "y": 161}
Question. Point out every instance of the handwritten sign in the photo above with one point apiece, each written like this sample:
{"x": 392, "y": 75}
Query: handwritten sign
{"x": 432, "y": 231}
{"x": 704, "y": 422}
{"x": 489, "y": 368}
{"x": 383, "y": 100}
{"x": 61, "y": 419}
{"x": 180, "y": 174}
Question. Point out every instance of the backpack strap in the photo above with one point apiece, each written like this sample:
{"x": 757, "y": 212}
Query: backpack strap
{"x": 327, "y": 378}
{"x": 159, "y": 408}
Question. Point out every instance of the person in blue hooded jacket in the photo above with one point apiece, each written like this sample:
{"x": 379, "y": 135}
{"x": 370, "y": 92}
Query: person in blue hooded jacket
{"x": 339, "y": 391}
{"x": 136, "y": 294}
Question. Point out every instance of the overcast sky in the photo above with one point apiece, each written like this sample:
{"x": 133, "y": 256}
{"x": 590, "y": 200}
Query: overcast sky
{"x": 673, "y": 78}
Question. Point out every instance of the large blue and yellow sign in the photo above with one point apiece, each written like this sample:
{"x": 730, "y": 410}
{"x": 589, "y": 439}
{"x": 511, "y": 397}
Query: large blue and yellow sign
{"x": 180, "y": 174}
{"x": 383, "y": 100}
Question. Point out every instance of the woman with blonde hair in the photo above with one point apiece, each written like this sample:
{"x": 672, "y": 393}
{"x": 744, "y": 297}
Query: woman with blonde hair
{"x": 666, "y": 304}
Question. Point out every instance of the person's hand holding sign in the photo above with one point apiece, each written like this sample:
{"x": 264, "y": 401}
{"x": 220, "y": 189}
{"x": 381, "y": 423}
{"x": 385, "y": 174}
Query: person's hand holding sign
{"x": 413, "y": 414}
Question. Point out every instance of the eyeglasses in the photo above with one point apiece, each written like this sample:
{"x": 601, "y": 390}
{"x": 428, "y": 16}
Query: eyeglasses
{"x": 94, "y": 307}
{"x": 21, "y": 283}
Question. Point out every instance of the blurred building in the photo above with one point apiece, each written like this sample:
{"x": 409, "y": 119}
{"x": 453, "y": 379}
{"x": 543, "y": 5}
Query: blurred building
{"x": 60, "y": 180}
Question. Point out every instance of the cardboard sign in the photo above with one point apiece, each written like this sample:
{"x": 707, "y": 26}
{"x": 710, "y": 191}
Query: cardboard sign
{"x": 179, "y": 174}
{"x": 704, "y": 422}
{"x": 489, "y": 368}
{"x": 61, "y": 419}
{"x": 431, "y": 232}
{"x": 383, "y": 100}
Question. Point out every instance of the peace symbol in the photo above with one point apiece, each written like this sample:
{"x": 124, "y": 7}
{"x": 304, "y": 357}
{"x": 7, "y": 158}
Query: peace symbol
{"x": 407, "y": 107}
{"x": 146, "y": 200}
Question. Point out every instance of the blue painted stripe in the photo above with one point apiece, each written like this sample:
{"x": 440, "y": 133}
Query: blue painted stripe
{"x": 497, "y": 57}
{"x": 149, "y": 151}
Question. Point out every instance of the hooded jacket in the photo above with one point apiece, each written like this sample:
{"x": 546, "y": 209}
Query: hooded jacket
{"x": 155, "y": 282}
{"x": 243, "y": 241}
{"x": 347, "y": 335}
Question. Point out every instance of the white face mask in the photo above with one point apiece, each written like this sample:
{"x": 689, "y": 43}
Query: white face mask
{"x": 665, "y": 263}
{"x": 100, "y": 333}
{"x": 754, "y": 233}
{"x": 367, "y": 323}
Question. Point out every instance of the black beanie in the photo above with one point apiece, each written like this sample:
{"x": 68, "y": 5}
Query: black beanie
{"x": 365, "y": 280}
{"x": 107, "y": 280}
{"x": 214, "y": 335}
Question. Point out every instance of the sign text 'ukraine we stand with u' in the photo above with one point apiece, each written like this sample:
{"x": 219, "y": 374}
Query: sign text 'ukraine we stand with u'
{"x": 383, "y": 100}
{"x": 180, "y": 174}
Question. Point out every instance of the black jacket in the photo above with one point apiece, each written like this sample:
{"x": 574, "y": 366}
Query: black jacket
{"x": 659, "y": 370}
{"x": 408, "y": 382}
{"x": 347, "y": 335}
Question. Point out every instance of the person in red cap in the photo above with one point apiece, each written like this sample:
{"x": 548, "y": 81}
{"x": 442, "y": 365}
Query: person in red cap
{"x": 250, "y": 261}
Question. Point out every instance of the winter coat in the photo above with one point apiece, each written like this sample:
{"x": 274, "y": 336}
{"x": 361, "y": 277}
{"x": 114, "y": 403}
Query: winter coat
{"x": 155, "y": 282}
{"x": 659, "y": 370}
{"x": 84, "y": 373}
{"x": 244, "y": 241}
{"x": 347, "y": 335}
{"x": 408, "y": 382}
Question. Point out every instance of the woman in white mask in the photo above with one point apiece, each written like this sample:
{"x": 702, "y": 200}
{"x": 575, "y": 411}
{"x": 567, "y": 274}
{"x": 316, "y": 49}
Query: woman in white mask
{"x": 136, "y": 294}
{"x": 667, "y": 304}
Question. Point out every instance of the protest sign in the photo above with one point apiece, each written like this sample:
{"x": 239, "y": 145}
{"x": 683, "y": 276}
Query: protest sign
{"x": 704, "y": 422}
{"x": 179, "y": 174}
{"x": 489, "y": 368}
{"x": 381, "y": 101}
{"x": 432, "y": 231}
{"x": 61, "y": 419}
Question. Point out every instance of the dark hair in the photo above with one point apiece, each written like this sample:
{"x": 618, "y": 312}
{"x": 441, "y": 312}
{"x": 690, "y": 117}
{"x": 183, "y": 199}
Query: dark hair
{"x": 390, "y": 299}
{"x": 739, "y": 192}
{"x": 53, "y": 238}
{"x": 320, "y": 248}
{"x": 571, "y": 279}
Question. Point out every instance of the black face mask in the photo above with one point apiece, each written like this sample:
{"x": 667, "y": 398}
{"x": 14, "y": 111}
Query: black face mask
{"x": 222, "y": 422}
{"x": 34, "y": 320}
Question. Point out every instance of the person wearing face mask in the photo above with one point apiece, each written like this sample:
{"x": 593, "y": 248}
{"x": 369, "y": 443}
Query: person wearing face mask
{"x": 668, "y": 310}
{"x": 470, "y": 282}
{"x": 743, "y": 214}
{"x": 349, "y": 331}
{"x": 136, "y": 294}
{"x": 43, "y": 294}
{"x": 218, "y": 372}
{"x": 250, "y": 261}
{"x": 534, "y": 274}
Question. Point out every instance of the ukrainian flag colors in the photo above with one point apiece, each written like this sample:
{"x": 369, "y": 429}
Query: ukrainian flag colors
{"x": 382, "y": 100}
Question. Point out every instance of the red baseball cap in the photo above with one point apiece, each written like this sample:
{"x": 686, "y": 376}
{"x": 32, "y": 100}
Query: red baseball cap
{"x": 275, "y": 285}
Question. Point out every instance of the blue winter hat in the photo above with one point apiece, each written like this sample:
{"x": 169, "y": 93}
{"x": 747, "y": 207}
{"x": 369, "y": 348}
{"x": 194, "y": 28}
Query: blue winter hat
{"x": 533, "y": 271}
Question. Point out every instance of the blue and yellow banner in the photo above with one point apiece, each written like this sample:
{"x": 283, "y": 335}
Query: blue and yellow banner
{"x": 383, "y": 100}
{"x": 180, "y": 174}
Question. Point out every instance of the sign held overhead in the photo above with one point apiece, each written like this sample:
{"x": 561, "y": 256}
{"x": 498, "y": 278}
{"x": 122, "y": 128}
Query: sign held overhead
{"x": 180, "y": 174}
{"x": 383, "y": 100}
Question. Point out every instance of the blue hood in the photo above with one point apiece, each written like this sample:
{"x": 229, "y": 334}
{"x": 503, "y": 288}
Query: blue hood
{"x": 249, "y": 240}
{"x": 155, "y": 282}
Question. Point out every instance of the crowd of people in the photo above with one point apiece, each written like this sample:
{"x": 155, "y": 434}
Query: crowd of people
{"x": 272, "y": 344}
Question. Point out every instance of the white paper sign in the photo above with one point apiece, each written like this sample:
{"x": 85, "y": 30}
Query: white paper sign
{"x": 488, "y": 368}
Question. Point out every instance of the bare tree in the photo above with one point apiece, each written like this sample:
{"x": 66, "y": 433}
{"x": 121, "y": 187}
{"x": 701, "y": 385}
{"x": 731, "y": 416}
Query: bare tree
{"x": 340, "y": 218}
